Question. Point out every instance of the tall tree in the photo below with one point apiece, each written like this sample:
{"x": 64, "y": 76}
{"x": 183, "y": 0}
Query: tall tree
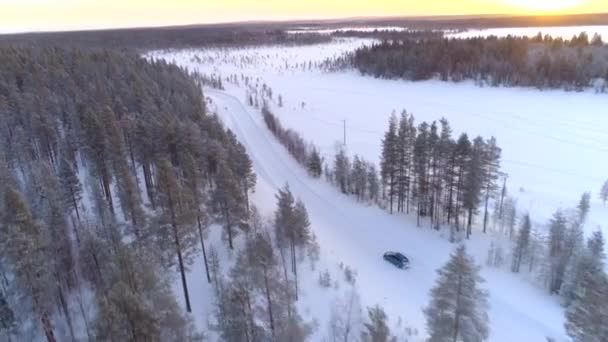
{"x": 492, "y": 173}
{"x": 474, "y": 180}
{"x": 24, "y": 244}
{"x": 388, "y": 164}
{"x": 458, "y": 307}
{"x": 522, "y": 245}
{"x": 421, "y": 164}
{"x": 557, "y": 250}
{"x": 587, "y": 316}
{"x": 176, "y": 229}
{"x": 229, "y": 202}
{"x": 71, "y": 189}
{"x": 341, "y": 170}
{"x": 604, "y": 192}
{"x": 583, "y": 207}
{"x": 315, "y": 163}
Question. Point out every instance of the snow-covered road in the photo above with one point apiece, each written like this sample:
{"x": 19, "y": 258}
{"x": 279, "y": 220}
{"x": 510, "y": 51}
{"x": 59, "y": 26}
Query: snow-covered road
{"x": 358, "y": 235}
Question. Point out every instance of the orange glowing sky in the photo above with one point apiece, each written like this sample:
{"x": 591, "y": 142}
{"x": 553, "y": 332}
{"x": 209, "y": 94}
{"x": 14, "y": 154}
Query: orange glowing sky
{"x": 21, "y": 15}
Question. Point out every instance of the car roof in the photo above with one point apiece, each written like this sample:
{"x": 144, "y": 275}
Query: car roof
{"x": 396, "y": 254}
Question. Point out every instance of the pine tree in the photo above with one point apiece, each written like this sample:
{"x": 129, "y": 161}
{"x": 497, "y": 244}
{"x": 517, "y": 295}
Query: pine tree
{"x": 292, "y": 227}
{"x": 557, "y": 251}
{"x": 315, "y": 164}
{"x": 176, "y": 230}
{"x": 421, "y": 163}
{"x": 388, "y": 164}
{"x": 583, "y": 207}
{"x": 474, "y": 180}
{"x": 522, "y": 245}
{"x": 242, "y": 166}
{"x": 587, "y": 316}
{"x": 373, "y": 183}
{"x": 457, "y": 311}
{"x": 71, "y": 189}
{"x": 604, "y": 192}
{"x": 492, "y": 173}
{"x": 229, "y": 202}
{"x": 358, "y": 177}
{"x": 341, "y": 170}
{"x": 589, "y": 259}
{"x": 24, "y": 245}
{"x": 138, "y": 303}
{"x": 405, "y": 144}
{"x": 376, "y": 328}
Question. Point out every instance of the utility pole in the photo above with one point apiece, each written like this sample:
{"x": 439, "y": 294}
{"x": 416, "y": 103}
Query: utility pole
{"x": 344, "y": 121}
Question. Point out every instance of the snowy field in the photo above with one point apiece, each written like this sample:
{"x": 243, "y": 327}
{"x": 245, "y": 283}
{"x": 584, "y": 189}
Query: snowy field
{"x": 554, "y": 143}
{"x": 565, "y": 32}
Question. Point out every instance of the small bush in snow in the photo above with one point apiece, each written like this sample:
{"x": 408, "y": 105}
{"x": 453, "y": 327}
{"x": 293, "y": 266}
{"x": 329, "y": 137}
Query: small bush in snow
{"x": 350, "y": 275}
{"x": 325, "y": 279}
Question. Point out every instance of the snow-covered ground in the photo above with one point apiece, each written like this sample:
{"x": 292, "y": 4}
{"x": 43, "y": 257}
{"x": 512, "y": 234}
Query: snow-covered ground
{"x": 565, "y": 32}
{"x": 356, "y": 235}
{"x": 555, "y": 143}
{"x": 554, "y": 148}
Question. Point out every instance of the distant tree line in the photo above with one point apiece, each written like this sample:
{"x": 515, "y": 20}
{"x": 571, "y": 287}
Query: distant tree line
{"x": 166, "y": 37}
{"x": 111, "y": 173}
{"x": 541, "y": 61}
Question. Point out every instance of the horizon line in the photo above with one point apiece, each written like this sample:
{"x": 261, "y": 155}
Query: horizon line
{"x": 438, "y": 17}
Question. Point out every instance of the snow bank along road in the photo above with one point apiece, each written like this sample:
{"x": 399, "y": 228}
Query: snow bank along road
{"x": 358, "y": 235}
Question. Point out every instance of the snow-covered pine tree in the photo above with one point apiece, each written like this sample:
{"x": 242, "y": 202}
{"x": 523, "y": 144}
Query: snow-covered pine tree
{"x": 341, "y": 170}
{"x": 137, "y": 303}
{"x": 25, "y": 246}
{"x": 474, "y": 181}
{"x": 376, "y": 327}
{"x": 373, "y": 183}
{"x": 458, "y": 307}
{"x": 241, "y": 165}
{"x": 404, "y": 148}
{"x": 388, "y": 163}
{"x": 315, "y": 163}
{"x": 590, "y": 258}
{"x": 421, "y": 163}
{"x": 176, "y": 230}
{"x": 587, "y": 315}
{"x": 71, "y": 189}
{"x": 228, "y": 201}
{"x": 557, "y": 250}
{"x": 358, "y": 177}
{"x": 583, "y": 207}
{"x": 492, "y": 173}
{"x": 521, "y": 251}
{"x": 292, "y": 228}
{"x": 604, "y": 192}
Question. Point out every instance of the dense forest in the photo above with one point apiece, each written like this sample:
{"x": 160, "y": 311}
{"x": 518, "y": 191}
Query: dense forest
{"x": 111, "y": 172}
{"x": 542, "y": 61}
{"x": 144, "y": 39}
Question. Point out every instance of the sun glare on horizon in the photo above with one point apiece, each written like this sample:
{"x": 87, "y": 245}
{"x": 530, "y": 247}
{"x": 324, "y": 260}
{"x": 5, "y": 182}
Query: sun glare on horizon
{"x": 540, "y": 6}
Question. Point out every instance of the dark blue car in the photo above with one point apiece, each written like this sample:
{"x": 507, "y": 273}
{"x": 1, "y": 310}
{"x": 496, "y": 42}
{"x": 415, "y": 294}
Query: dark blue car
{"x": 397, "y": 259}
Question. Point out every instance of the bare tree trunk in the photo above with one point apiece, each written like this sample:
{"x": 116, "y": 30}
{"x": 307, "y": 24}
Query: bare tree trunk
{"x": 65, "y": 309}
{"x": 485, "y": 212}
{"x": 457, "y": 311}
{"x": 47, "y": 327}
{"x": 269, "y": 304}
{"x": 200, "y": 233}
{"x": 181, "y": 269}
